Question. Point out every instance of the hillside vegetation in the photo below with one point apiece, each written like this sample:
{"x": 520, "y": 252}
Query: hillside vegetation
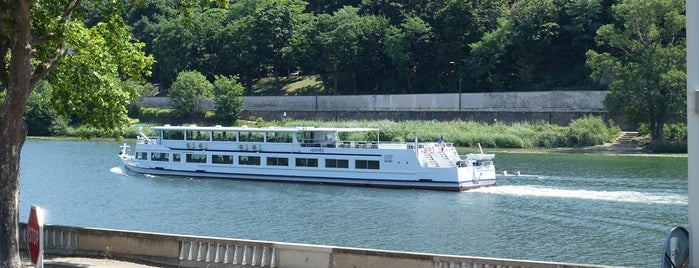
{"x": 376, "y": 47}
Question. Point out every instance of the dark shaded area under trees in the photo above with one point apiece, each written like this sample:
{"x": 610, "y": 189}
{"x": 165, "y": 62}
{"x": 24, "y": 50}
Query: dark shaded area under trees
{"x": 379, "y": 46}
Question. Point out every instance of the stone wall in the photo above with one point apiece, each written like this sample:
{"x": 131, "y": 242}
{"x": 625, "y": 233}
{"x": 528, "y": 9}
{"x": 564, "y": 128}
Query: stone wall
{"x": 557, "y": 107}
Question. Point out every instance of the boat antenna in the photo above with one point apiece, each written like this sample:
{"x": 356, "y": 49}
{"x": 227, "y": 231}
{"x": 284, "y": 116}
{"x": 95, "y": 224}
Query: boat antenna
{"x": 480, "y": 148}
{"x": 140, "y": 132}
{"x": 416, "y": 135}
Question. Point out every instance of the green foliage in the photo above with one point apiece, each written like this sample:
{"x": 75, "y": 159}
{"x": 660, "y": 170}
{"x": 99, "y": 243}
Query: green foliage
{"x": 155, "y": 115}
{"x": 582, "y": 132}
{"x": 667, "y": 147}
{"x": 676, "y": 132}
{"x": 189, "y": 92}
{"x": 40, "y": 117}
{"x": 643, "y": 55}
{"x": 588, "y": 131}
{"x": 229, "y": 102}
{"x": 378, "y": 47}
{"x": 3, "y": 92}
{"x": 96, "y": 82}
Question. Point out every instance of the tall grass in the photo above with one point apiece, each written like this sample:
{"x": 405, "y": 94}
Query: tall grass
{"x": 586, "y": 131}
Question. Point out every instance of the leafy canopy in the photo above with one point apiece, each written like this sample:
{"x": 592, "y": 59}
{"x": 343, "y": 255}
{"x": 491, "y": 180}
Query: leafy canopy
{"x": 189, "y": 91}
{"x": 644, "y": 61}
{"x": 229, "y": 102}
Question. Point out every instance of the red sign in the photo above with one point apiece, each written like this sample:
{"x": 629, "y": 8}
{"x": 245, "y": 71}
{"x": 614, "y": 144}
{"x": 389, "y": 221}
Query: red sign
{"x": 35, "y": 241}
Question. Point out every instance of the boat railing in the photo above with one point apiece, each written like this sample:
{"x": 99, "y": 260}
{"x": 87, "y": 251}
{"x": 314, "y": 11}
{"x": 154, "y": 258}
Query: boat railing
{"x": 146, "y": 140}
{"x": 345, "y": 144}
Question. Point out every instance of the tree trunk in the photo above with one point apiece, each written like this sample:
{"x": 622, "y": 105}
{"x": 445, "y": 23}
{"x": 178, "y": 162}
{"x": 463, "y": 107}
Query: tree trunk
{"x": 656, "y": 130}
{"x": 13, "y": 132}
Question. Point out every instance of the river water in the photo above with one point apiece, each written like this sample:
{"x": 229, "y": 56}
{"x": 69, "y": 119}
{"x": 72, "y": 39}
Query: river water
{"x": 580, "y": 208}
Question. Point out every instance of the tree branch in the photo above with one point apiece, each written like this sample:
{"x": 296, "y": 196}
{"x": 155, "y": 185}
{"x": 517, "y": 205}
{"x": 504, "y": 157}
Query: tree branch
{"x": 38, "y": 40}
{"x": 43, "y": 69}
{"x": 68, "y": 12}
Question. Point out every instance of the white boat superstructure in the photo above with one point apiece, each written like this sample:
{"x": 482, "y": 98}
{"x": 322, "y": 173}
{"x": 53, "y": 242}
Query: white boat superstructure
{"x": 308, "y": 155}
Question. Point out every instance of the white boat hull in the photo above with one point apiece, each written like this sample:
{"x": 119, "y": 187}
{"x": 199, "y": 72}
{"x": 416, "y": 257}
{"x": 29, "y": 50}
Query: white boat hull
{"x": 330, "y": 161}
{"x": 400, "y": 181}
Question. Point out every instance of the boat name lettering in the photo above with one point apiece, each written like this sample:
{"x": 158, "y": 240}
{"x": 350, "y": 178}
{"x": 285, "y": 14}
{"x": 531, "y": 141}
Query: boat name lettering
{"x": 317, "y": 150}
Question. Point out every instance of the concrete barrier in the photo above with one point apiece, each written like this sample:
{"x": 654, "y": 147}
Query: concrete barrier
{"x": 537, "y": 101}
{"x": 169, "y": 250}
{"x": 555, "y": 107}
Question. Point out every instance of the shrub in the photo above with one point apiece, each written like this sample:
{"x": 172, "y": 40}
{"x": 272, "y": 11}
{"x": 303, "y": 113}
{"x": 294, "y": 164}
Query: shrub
{"x": 664, "y": 147}
{"x": 676, "y": 131}
{"x": 508, "y": 141}
{"x": 587, "y": 131}
{"x": 229, "y": 103}
{"x": 188, "y": 93}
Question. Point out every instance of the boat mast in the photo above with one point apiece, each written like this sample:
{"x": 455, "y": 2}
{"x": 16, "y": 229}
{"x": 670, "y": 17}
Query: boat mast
{"x": 416, "y": 150}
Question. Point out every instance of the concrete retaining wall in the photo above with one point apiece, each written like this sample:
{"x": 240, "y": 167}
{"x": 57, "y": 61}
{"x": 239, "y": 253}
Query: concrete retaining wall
{"x": 543, "y": 101}
{"x": 194, "y": 251}
{"x": 553, "y": 117}
{"x": 555, "y": 107}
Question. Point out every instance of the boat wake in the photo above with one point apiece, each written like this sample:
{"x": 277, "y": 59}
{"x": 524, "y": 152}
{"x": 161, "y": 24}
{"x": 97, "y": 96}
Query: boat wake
{"x": 119, "y": 171}
{"x": 618, "y": 196}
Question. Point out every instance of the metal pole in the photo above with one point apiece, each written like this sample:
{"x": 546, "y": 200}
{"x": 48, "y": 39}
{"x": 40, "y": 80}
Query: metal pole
{"x": 692, "y": 24}
{"x": 459, "y": 70}
{"x": 459, "y": 85}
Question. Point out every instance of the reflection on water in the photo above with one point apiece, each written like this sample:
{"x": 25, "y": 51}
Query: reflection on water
{"x": 578, "y": 209}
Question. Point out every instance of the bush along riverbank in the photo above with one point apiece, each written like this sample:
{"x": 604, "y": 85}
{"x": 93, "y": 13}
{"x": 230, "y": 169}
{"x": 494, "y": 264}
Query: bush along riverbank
{"x": 587, "y": 131}
{"x": 590, "y": 133}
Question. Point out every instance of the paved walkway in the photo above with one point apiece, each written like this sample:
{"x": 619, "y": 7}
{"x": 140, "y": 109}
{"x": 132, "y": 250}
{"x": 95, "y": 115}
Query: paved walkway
{"x": 72, "y": 262}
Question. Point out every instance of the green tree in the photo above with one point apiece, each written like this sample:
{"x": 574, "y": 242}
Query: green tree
{"x": 189, "y": 43}
{"x": 36, "y": 36}
{"x": 516, "y": 53}
{"x": 272, "y": 28}
{"x": 644, "y": 57}
{"x": 229, "y": 103}
{"x": 189, "y": 91}
{"x": 41, "y": 118}
{"x": 403, "y": 43}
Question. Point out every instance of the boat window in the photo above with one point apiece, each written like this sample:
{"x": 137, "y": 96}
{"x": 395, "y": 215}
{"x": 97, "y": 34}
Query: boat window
{"x": 196, "y": 158}
{"x": 222, "y": 159}
{"x": 160, "y": 157}
{"x": 306, "y": 162}
{"x": 142, "y": 156}
{"x": 366, "y": 164}
{"x": 249, "y": 160}
{"x": 252, "y": 136}
{"x": 278, "y": 161}
{"x": 336, "y": 163}
{"x": 199, "y": 135}
{"x": 282, "y": 137}
{"x": 223, "y": 136}
{"x": 173, "y": 135}
{"x": 176, "y": 157}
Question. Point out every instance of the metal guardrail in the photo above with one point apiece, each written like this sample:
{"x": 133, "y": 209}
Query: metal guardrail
{"x": 194, "y": 251}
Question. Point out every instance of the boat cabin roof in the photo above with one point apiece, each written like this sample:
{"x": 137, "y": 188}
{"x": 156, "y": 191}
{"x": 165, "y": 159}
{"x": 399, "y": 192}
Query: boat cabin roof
{"x": 267, "y": 129}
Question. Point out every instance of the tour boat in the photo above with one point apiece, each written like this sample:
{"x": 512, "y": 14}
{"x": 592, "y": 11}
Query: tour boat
{"x": 307, "y": 155}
